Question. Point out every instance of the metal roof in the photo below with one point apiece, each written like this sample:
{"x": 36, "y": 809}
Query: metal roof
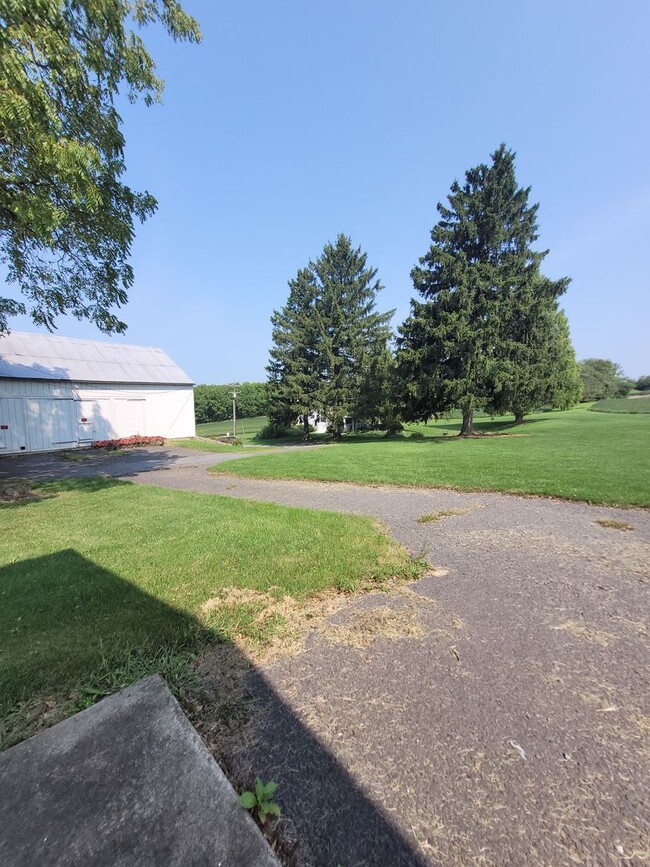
{"x": 45, "y": 356}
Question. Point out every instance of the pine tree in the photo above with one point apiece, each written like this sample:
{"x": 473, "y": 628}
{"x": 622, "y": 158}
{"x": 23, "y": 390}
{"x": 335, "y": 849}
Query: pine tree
{"x": 354, "y": 334}
{"x": 295, "y": 358}
{"x": 454, "y": 347}
{"x": 329, "y": 342}
{"x": 539, "y": 367}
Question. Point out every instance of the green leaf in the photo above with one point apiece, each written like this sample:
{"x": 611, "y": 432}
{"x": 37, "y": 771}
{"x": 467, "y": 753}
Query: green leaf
{"x": 247, "y": 800}
{"x": 269, "y": 789}
{"x": 259, "y": 789}
{"x": 274, "y": 808}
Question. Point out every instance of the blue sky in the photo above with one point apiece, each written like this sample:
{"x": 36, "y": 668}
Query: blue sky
{"x": 293, "y": 121}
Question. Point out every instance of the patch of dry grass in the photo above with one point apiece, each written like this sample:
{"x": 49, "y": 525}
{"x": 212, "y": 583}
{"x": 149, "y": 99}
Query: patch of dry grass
{"x": 15, "y": 490}
{"x": 363, "y": 627}
{"x": 433, "y": 517}
{"x": 611, "y": 524}
{"x": 586, "y": 633}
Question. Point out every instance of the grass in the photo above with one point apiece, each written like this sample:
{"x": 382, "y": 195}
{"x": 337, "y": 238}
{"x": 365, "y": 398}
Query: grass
{"x": 104, "y": 581}
{"x": 575, "y": 455}
{"x": 636, "y": 405}
{"x": 204, "y": 446}
{"x": 247, "y": 428}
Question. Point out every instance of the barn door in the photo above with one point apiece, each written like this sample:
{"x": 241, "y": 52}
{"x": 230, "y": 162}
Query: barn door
{"x": 13, "y": 432}
{"x": 50, "y": 423}
{"x": 93, "y": 420}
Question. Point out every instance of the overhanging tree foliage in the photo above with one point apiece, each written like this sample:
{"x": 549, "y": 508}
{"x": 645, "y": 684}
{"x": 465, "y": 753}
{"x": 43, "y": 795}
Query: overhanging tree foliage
{"x": 485, "y": 303}
{"x": 66, "y": 219}
{"x": 329, "y": 341}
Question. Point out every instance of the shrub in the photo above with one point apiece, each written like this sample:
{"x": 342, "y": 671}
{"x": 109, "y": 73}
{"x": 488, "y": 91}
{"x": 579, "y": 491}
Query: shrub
{"x": 273, "y": 431}
{"x": 417, "y": 435}
{"x": 128, "y": 442}
{"x": 391, "y": 426}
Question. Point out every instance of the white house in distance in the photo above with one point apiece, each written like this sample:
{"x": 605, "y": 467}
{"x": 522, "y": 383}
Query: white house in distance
{"x": 62, "y": 393}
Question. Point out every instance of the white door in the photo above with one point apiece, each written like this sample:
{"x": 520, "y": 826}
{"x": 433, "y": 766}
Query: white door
{"x": 13, "y": 432}
{"x": 50, "y": 423}
{"x": 93, "y": 420}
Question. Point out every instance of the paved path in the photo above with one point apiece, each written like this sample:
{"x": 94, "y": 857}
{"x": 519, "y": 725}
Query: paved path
{"x": 505, "y": 722}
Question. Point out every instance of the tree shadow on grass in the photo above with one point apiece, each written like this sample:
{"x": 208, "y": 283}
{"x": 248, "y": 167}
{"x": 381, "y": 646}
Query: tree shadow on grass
{"x": 71, "y": 627}
{"x": 444, "y": 432}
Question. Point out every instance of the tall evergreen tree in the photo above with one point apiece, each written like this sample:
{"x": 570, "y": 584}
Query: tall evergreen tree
{"x": 329, "y": 342}
{"x": 539, "y": 365}
{"x": 354, "y": 334}
{"x": 453, "y": 348}
{"x": 295, "y": 358}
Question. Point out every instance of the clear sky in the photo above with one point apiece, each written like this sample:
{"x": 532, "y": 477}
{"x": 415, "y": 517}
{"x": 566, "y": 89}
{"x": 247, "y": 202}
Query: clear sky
{"x": 294, "y": 121}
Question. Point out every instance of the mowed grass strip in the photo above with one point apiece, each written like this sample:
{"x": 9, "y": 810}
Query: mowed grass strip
{"x": 97, "y": 569}
{"x": 636, "y": 405}
{"x": 206, "y": 446}
{"x": 247, "y": 428}
{"x": 576, "y": 455}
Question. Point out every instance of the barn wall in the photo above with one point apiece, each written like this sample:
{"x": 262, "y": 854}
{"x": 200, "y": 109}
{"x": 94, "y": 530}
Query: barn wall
{"x": 37, "y": 415}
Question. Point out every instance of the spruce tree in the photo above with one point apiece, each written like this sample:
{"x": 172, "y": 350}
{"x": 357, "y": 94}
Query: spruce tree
{"x": 329, "y": 342}
{"x": 295, "y": 358}
{"x": 539, "y": 367}
{"x": 354, "y": 334}
{"x": 454, "y": 348}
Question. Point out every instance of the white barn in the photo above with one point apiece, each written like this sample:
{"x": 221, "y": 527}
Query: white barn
{"x": 62, "y": 393}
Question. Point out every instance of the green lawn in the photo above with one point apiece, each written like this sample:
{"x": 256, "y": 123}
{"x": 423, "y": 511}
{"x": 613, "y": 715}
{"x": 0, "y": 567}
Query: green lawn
{"x": 578, "y": 455}
{"x": 637, "y": 405}
{"x": 99, "y": 573}
{"x": 205, "y": 446}
{"x": 247, "y": 428}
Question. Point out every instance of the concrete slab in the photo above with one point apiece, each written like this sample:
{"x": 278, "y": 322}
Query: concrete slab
{"x": 126, "y": 782}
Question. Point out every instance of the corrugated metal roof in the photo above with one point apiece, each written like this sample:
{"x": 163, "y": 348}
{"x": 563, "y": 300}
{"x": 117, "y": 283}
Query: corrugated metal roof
{"x": 45, "y": 356}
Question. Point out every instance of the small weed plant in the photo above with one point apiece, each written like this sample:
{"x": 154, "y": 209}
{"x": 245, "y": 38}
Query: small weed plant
{"x": 260, "y": 801}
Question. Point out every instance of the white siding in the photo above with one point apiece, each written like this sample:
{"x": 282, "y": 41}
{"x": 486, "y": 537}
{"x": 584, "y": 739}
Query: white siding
{"x": 41, "y": 415}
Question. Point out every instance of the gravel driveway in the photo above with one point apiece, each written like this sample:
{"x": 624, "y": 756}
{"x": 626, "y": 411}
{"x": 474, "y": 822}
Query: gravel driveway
{"x": 501, "y": 715}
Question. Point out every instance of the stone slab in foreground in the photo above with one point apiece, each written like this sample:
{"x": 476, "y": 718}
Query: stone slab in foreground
{"x": 126, "y": 782}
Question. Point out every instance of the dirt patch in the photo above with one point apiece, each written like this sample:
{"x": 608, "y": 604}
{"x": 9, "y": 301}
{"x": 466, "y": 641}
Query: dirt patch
{"x": 285, "y": 623}
{"x": 586, "y": 633}
{"x": 433, "y": 517}
{"x": 366, "y": 626}
{"x": 611, "y": 524}
{"x": 17, "y": 490}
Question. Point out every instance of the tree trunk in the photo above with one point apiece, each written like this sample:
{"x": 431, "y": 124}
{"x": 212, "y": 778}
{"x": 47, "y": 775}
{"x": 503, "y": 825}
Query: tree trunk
{"x": 467, "y": 430}
{"x": 519, "y": 417}
{"x": 305, "y": 427}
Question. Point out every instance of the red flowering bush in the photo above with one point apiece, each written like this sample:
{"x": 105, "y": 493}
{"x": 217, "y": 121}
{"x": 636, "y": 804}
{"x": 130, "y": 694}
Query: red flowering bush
{"x": 128, "y": 442}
